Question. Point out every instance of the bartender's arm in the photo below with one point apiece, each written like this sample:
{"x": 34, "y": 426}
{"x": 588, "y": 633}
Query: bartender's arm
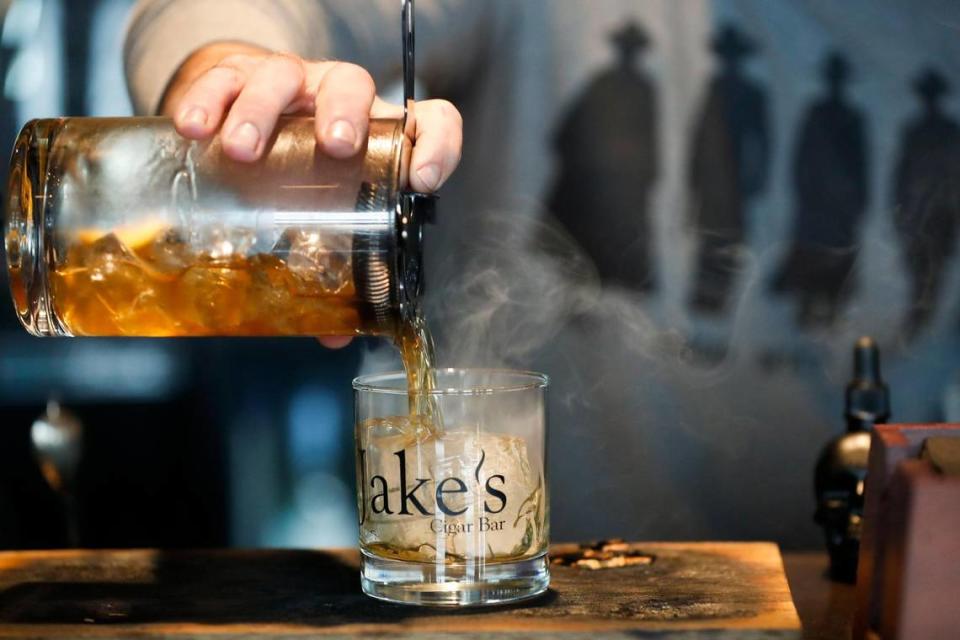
{"x": 242, "y": 90}
{"x": 212, "y": 66}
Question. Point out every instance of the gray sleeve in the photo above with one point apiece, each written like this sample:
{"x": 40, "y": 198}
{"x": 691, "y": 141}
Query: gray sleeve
{"x": 163, "y": 33}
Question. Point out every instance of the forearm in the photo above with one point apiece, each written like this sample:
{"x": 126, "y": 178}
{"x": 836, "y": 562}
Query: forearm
{"x": 165, "y": 34}
{"x": 166, "y": 38}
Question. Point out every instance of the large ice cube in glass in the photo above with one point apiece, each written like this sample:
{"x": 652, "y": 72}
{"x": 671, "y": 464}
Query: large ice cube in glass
{"x": 451, "y": 496}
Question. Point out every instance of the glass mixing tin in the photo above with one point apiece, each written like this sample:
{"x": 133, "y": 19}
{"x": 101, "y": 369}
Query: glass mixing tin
{"x": 120, "y": 227}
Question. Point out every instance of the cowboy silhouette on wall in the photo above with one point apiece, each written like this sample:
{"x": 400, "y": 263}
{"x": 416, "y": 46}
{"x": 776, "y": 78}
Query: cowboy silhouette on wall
{"x": 829, "y": 173}
{"x": 926, "y": 199}
{"x": 728, "y": 167}
{"x": 608, "y": 149}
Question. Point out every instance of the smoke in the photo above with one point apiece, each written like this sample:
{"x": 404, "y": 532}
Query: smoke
{"x": 521, "y": 284}
{"x": 520, "y": 293}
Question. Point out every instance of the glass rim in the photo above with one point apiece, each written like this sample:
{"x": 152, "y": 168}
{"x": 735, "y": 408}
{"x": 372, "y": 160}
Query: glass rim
{"x": 375, "y": 382}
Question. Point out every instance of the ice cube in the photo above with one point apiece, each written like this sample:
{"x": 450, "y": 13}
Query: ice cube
{"x": 223, "y": 243}
{"x": 169, "y": 253}
{"x": 320, "y": 260}
{"x": 105, "y": 256}
{"x": 102, "y": 283}
{"x": 270, "y": 304}
{"x": 465, "y": 494}
{"x": 214, "y": 299}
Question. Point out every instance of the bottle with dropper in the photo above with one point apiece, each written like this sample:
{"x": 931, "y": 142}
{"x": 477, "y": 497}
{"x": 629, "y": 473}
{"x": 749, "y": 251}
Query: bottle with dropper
{"x": 842, "y": 467}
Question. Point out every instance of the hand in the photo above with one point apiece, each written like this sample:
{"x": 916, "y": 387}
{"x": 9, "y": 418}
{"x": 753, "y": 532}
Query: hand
{"x": 242, "y": 91}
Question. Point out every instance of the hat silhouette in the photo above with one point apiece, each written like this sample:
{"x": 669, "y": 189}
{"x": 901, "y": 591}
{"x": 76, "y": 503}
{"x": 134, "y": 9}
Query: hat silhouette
{"x": 930, "y": 84}
{"x": 630, "y": 38}
{"x": 731, "y": 43}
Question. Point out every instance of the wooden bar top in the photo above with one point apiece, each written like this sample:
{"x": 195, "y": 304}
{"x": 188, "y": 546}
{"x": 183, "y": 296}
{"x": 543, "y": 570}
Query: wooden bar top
{"x": 689, "y": 590}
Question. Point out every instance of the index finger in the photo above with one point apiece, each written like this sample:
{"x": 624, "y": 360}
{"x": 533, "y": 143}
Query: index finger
{"x": 202, "y": 107}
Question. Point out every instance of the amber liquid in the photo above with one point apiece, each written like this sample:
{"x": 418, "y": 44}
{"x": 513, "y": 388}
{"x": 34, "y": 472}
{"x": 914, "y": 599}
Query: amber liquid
{"x": 417, "y": 353}
{"x": 158, "y": 287}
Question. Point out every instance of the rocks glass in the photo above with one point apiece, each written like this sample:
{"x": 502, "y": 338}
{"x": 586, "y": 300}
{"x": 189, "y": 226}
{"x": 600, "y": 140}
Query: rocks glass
{"x": 453, "y": 505}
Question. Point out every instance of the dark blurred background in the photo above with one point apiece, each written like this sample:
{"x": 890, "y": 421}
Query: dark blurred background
{"x": 186, "y": 443}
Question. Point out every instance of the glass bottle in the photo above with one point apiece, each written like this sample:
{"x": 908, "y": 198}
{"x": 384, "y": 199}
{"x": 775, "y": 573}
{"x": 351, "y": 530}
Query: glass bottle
{"x": 120, "y": 227}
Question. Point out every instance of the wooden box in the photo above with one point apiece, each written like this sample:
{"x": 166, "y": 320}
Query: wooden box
{"x": 908, "y": 582}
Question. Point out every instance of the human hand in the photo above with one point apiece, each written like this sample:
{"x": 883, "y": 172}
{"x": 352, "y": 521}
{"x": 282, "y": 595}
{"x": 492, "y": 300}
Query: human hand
{"x": 241, "y": 91}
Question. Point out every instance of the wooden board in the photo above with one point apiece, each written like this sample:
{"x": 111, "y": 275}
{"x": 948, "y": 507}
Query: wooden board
{"x": 690, "y": 590}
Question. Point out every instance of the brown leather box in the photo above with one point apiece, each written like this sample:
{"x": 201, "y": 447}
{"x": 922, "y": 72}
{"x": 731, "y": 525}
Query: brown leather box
{"x": 908, "y": 583}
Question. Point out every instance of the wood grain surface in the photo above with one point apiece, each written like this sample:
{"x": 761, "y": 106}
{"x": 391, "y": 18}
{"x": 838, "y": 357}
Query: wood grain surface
{"x": 825, "y": 607}
{"x": 690, "y": 590}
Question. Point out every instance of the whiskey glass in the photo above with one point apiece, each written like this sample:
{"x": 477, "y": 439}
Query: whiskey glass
{"x": 453, "y": 505}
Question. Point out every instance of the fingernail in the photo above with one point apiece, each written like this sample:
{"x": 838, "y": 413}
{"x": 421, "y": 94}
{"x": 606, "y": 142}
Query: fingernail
{"x": 193, "y": 116}
{"x": 246, "y": 136}
{"x": 429, "y": 174}
{"x": 343, "y": 131}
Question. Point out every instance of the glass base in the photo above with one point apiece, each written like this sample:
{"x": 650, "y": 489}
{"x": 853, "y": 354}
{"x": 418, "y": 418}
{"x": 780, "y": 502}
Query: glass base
{"x": 432, "y": 585}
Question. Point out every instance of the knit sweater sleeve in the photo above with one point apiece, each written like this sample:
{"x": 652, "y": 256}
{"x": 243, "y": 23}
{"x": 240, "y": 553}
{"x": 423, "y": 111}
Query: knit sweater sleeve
{"x": 163, "y": 33}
